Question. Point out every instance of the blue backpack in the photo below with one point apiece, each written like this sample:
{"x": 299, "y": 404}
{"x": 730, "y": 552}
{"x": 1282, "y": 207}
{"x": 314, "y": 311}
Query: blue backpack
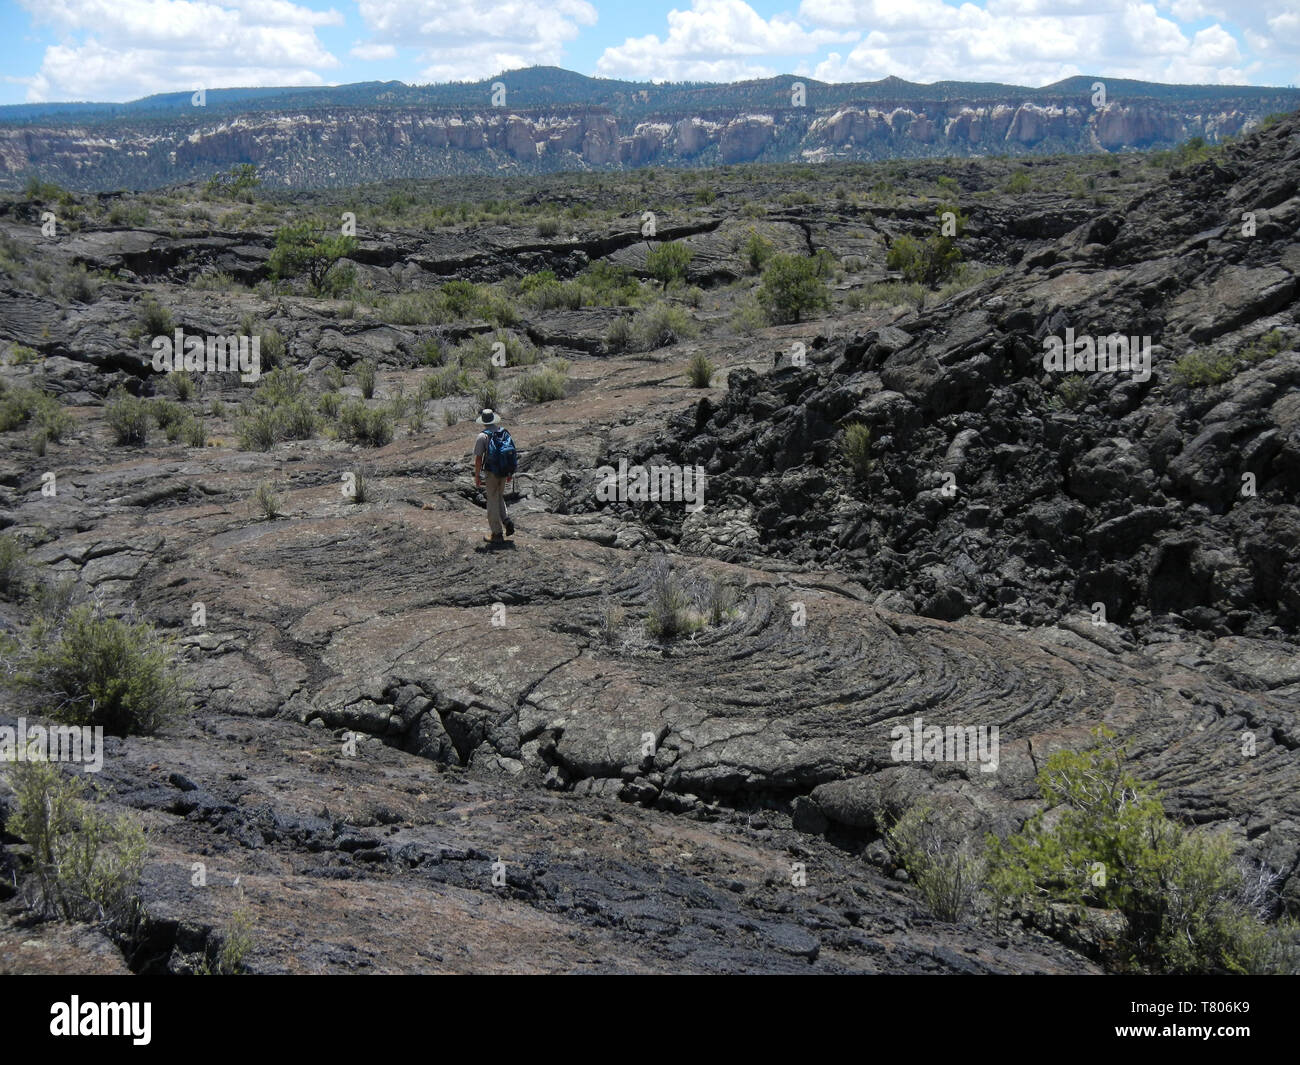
{"x": 501, "y": 457}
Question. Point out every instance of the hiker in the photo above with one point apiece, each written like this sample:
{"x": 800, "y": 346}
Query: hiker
{"x": 494, "y": 455}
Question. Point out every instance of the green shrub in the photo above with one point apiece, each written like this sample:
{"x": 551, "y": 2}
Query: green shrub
{"x": 1019, "y": 183}
{"x": 195, "y": 433}
{"x": 462, "y": 299}
{"x": 281, "y": 386}
{"x": 413, "y": 308}
{"x": 670, "y": 614}
{"x": 477, "y": 352}
{"x": 541, "y": 386}
{"x": 612, "y": 616}
{"x": 668, "y": 262}
{"x": 857, "y": 449}
{"x": 267, "y": 501}
{"x": 659, "y": 325}
{"x": 748, "y": 316}
{"x": 365, "y": 375}
{"x": 553, "y": 294}
{"x": 397, "y": 405}
{"x": 887, "y": 294}
{"x": 1200, "y": 368}
{"x": 90, "y": 669}
{"x": 449, "y": 381}
{"x": 236, "y": 941}
{"x": 432, "y": 353}
{"x": 947, "y": 874}
{"x": 1109, "y": 844}
{"x": 1266, "y": 346}
{"x": 52, "y": 599}
{"x": 455, "y": 301}
{"x": 80, "y": 285}
{"x": 361, "y": 425}
{"x": 155, "y": 319}
{"x": 87, "y": 865}
{"x": 300, "y": 248}
{"x": 14, "y": 568}
{"x": 926, "y": 263}
{"x": 212, "y": 281}
{"x": 720, "y": 600}
{"x": 792, "y": 289}
{"x": 619, "y": 334}
{"x": 167, "y": 413}
{"x": 128, "y": 418}
{"x": 237, "y": 183}
{"x": 607, "y": 285}
{"x": 487, "y": 394}
{"x": 339, "y": 282}
{"x": 52, "y": 420}
{"x": 700, "y": 371}
{"x": 271, "y": 348}
{"x": 329, "y": 404}
{"x": 128, "y": 214}
{"x": 36, "y": 189}
{"x": 259, "y": 428}
{"x": 548, "y": 227}
{"x": 181, "y": 384}
{"x": 298, "y": 420}
{"x": 756, "y": 252}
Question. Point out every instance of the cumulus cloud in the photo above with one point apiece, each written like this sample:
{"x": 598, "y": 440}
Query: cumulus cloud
{"x": 716, "y": 39}
{"x": 471, "y": 39}
{"x": 1025, "y": 42}
{"x": 122, "y": 49}
{"x": 372, "y": 51}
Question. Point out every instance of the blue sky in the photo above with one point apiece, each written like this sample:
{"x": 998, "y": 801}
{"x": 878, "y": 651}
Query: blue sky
{"x": 124, "y": 49}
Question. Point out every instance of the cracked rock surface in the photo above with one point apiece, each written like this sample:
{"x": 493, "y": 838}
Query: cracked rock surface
{"x": 412, "y": 754}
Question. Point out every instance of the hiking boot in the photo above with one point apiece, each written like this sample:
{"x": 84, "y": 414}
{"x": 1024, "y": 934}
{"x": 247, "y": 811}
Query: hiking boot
{"x": 510, "y": 527}
{"x": 495, "y": 538}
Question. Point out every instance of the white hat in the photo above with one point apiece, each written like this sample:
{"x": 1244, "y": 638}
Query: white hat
{"x": 488, "y": 417}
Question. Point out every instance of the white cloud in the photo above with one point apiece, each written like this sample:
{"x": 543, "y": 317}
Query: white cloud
{"x": 1214, "y": 45}
{"x": 472, "y": 39}
{"x": 122, "y": 49}
{"x": 372, "y": 51}
{"x": 1025, "y": 42}
{"x": 1192, "y": 10}
{"x": 707, "y": 42}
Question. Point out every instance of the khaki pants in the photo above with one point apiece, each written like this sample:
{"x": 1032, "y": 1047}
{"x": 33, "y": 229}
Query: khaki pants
{"x": 495, "y": 488}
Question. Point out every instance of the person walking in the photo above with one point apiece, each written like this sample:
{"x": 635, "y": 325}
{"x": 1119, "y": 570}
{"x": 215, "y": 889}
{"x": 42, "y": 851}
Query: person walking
{"x": 495, "y": 462}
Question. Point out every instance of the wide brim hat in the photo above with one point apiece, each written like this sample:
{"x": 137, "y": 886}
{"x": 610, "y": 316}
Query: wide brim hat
{"x": 488, "y": 417}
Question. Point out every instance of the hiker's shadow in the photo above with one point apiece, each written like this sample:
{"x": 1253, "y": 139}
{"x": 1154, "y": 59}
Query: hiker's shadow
{"x": 488, "y": 549}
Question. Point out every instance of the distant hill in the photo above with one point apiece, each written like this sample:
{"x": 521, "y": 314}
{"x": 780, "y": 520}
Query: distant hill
{"x": 555, "y": 119}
